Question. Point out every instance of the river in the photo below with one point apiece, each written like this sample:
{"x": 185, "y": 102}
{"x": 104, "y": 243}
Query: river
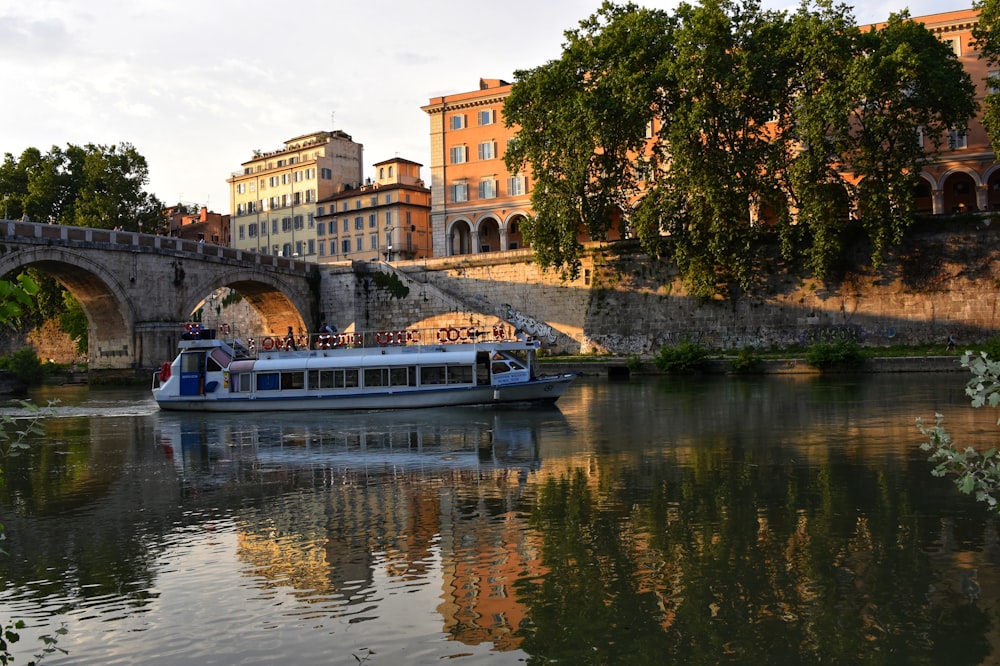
{"x": 780, "y": 519}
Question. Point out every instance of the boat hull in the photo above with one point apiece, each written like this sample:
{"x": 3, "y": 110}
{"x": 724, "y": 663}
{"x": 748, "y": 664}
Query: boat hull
{"x": 540, "y": 390}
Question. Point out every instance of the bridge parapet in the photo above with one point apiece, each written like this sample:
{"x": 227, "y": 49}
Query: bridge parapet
{"x": 34, "y": 233}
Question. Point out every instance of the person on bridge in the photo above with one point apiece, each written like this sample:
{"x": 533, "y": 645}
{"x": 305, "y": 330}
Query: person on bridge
{"x": 290, "y": 340}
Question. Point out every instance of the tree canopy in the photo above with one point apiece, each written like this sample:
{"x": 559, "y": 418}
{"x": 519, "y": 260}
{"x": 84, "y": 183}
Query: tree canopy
{"x": 693, "y": 128}
{"x": 87, "y": 186}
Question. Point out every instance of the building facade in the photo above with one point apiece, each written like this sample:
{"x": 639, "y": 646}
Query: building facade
{"x": 386, "y": 219}
{"x": 274, "y": 197}
{"x": 965, "y": 177}
{"x": 476, "y": 205}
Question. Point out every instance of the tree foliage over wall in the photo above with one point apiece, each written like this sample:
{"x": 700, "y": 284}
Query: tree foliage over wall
{"x": 697, "y": 125}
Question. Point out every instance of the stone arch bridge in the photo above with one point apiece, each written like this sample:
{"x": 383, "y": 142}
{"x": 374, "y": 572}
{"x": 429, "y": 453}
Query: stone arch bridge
{"x": 136, "y": 288}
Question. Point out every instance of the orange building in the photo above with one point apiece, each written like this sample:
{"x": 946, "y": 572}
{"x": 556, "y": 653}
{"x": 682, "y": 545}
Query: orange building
{"x": 966, "y": 177}
{"x": 476, "y": 205}
{"x": 201, "y": 226}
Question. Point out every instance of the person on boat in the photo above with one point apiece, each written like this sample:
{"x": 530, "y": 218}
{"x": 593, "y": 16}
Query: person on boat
{"x": 324, "y": 339}
{"x": 290, "y": 340}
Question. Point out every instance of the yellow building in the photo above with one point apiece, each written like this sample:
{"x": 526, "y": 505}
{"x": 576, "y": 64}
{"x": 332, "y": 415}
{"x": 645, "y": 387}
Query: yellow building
{"x": 476, "y": 204}
{"x": 388, "y": 219}
{"x": 273, "y": 199}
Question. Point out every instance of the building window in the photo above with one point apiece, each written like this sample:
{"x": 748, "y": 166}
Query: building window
{"x": 459, "y": 192}
{"x": 263, "y": 228}
{"x": 388, "y": 217}
{"x": 319, "y": 210}
{"x": 321, "y": 229}
{"x": 515, "y": 186}
{"x": 372, "y": 221}
{"x": 359, "y": 223}
{"x": 487, "y": 150}
{"x": 326, "y": 174}
{"x": 958, "y": 139}
{"x": 311, "y": 244}
{"x": 345, "y": 246}
{"x": 299, "y": 220}
{"x": 388, "y": 198}
{"x": 241, "y": 232}
{"x": 955, "y": 43}
{"x": 286, "y": 250}
{"x": 486, "y": 117}
{"x": 322, "y": 249}
{"x": 274, "y": 227}
{"x": 358, "y": 244}
{"x": 346, "y": 224}
{"x": 286, "y": 224}
{"x": 373, "y": 242}
{"x": 459, "y": 154}
{"x": 456, "y": 122}
{"x": 252, "y": 231}
{"x": 487, "y": 189}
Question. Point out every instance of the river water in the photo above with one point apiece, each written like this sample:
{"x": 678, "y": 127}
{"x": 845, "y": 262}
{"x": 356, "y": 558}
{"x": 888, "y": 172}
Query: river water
{"x": 787, "y": 520}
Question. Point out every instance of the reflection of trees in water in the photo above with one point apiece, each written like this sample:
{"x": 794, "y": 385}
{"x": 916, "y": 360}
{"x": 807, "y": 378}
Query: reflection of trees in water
{"x": 731, "y": 560}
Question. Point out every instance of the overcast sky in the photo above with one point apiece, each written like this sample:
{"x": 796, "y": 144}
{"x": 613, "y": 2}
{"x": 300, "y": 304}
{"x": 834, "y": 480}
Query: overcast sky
{"x": 196, "y": 86}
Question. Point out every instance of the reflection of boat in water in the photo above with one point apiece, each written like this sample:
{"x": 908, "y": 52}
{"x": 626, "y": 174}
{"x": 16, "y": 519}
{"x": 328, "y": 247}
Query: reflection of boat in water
{"x": 349, "y": 371}
{"x": 465, "y": 437}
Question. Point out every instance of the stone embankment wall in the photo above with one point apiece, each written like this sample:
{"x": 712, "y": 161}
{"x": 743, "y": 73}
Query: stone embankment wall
{"x": 937, "y": 285}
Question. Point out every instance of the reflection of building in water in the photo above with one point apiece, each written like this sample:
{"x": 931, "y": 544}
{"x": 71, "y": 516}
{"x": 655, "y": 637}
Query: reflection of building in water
{"x": 420, "y": 495}
{"x": 488, "y": 548}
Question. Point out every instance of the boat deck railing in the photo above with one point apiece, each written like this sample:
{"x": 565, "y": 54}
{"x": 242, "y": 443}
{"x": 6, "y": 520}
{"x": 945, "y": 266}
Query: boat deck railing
{"x": 251, "y": 345}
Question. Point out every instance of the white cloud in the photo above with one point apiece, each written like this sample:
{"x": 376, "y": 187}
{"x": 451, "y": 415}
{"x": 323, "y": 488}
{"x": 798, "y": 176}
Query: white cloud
{"x": 196, "y": 86}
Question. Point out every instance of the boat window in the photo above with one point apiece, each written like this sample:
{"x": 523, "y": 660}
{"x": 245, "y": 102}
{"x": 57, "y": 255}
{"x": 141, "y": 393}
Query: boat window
{"x": 333, "y": 379}
{"x": 500, "y": 366}
{"x": 432, "y": 374}
{"x": 191, "y": 361}
{"x": 240, "y": 382}
{"x": 267, "y": 381}
{"x": 406, "y": 376}
{"x": 293, "y": 380}
{"x": 459, "y": 374}
{"x": 376, "y": 377}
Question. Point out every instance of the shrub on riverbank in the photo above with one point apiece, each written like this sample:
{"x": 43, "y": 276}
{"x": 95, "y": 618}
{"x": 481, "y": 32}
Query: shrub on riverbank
{"x": 831, "y": 355}
{"x": 25, "y": 365}
{"x": 685, "y": 357}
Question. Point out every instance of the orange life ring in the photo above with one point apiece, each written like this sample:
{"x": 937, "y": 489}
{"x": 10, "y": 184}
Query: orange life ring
{"x": 165, "y": 371}
{"x": 442, "y": 335}
{"x": 225, "y": 328}
{"x": 267, "y": 343}
{"x": 251, "y": 345}
{"x": 382, "y": 338}
{"x": 323, "y": 341}
{"x": 453, "y": 335}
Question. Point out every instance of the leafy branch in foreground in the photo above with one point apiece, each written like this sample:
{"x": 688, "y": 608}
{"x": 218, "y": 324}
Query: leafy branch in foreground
{"x": 14, "y": 434}
{"x": 975, "y": 473}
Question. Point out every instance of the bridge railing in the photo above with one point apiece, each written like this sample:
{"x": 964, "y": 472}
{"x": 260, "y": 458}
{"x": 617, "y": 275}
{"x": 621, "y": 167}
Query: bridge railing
{"x": 34, "y": 232}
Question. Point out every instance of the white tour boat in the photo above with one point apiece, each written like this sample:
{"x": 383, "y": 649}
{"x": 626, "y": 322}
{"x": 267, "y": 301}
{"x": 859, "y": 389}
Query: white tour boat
{"x": 376, "y": 370}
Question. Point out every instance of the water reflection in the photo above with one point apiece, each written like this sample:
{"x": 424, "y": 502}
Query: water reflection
{"x": 647, "y": 522}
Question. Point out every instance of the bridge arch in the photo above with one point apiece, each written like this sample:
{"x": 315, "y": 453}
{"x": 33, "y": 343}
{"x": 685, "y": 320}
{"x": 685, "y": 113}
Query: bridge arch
{"x": 278, "y": 303}
{"x": 110, "y": 310}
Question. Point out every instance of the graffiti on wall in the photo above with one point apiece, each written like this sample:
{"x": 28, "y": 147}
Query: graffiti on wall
{"x": 529, "y": 326}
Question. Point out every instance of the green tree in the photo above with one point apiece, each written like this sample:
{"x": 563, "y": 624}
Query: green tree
{"x": 583, "y": 123}
{"x": 89, "y": 186}
{"x": 902, "y": 81}
{"x": 730, "y": 76}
